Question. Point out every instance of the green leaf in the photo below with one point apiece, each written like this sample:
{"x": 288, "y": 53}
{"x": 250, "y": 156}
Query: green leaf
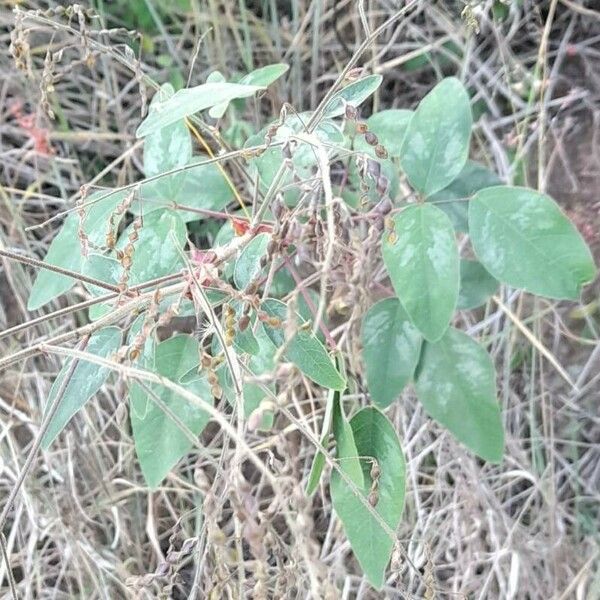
{"x": 203, "y": 186}
{"x": 476, "y": 285}
{"x": 65, "y": 249}
{"x": 375, "y": 437}
{"x": 304, "y": 349}
{"x": 247, "y": 266}
{"x": 169, "y": 147}
{"x": 316, "y": 469}
{"x": 454, "y": 199}
{"x": 159, "y": 441}
{"x": 157, "y": 251}
{"x": 456, "y": 383}
{"x": 436, "y": 145}
{"x": 354, "y": 93}
{"x": 263, "y": 77}
{"x": 391, "y": 348}
{"x": 523, "y": 239}
{"x": 346, "y": 452}
{"x": 266, "y": 75}
{"x": 103, "y": 268}
{"x": 86, "y": 380}
{"x": 421, "y": 257}
{"x": 188, "y": 101}
{"x": 390, "y": 127}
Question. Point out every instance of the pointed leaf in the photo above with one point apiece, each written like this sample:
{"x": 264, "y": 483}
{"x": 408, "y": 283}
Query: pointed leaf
{"x": 456, "y": 383}
{"x": 304, "y": 349}
{"x": 391, "y": 348}
{"x": 188, "y": 101}
{"x": 390, "y": 128}
{"x": 65, "y": 249}
{"x": 86, "y": 380}
{"x": 436, "y": 145}
{"x": 354, "y": 93}
{"x": 157, "y": 249}
{"x": 159, "y": 441}
{"x": 248, "y": 267}
{"x": 346, "y": 453}
{"x": 266, "y": 75}
{"x": 421, "y": 257}
{"x": 375, "y": 437}
{"x": 523, "y": 239}
{"x": 477, "y": 286}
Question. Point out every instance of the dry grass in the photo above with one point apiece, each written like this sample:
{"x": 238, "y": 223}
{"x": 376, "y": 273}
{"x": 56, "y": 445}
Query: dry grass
{"x": 84, "y": 526}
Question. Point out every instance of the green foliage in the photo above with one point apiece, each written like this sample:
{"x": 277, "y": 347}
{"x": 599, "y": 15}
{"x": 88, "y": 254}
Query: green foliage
{"x": 65, "y": 249}
{"x": 303, "y": 349}
{"x": 519, "y": 236}
{"x": 453, "y": 199}
{"x": 354, "y": 93}
{"x": 476, "y": 285}
{"x": 421, "y": 256}
{"x": 247, "y": 266}
{"x": 189, "y": 101}
{"x": 391, "y": 348}
{"x": 376, "y": 444}
{"x": 86, "y": 380}
{"x": 523, "y": 239}
{"x": 159, "y": 440}
{"x": 456, "y": 384}
{"x": 436, "y": 144}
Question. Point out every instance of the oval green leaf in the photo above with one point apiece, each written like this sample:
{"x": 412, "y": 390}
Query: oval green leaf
{"x": 477, "y": 286}
{"x": 523, "y": 239}
{"x": 354, "y": 93}
{"x": 65, "y": 249}
{"x": 157, "y": 250}
{"x": 188, "y": 101}
{"x": 456, "y": 384}
{"x": 247, "y": 266}
{"x": 391, "y": 348}
{"x": 436, "y": 144}
{"x": 374, "y": 436}
{"x": 86, "y": 380}
{"x": 159, "y": 441}
{"x": 390, "y": 128}
{"x": 421, "y": 257}
{"x": 304, "y": 349}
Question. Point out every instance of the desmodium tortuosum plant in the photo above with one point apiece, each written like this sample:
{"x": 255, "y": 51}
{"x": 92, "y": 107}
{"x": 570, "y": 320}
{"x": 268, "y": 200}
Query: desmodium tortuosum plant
{"x": 276, "y": 246}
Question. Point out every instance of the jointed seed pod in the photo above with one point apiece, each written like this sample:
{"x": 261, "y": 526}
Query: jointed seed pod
{"x": 371, "y": 138}
{"x": 373, "y": 497}
{"x": 362, "y": 127}
{"x": 375, "y": 471}
{"x": 244, "y": 322}
{"x": 380, "y": 151}
{"x": 216, "y": 391}
{"x": 212, "y": 378}
{"x": 382, "y": 184}
{"x": 274, "y": 322}
{"x": 351, "y": 112}
{"x": 206, "y": 360}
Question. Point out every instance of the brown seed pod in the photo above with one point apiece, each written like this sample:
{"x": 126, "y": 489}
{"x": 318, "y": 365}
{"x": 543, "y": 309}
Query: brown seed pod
{"x": 362, "y": 127}
{"x": 244, "y": 322}
{"x": 212, "y": 378}
{"x": 373, "y": 498}
{"x": 380, "y": 151}
{"x": 351, "y": 112}
{"x": 216, "y": 391}
{"x": 206, "y": 360}
{"x": 371, "y": 138}
{"x": 375, "y": 471}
